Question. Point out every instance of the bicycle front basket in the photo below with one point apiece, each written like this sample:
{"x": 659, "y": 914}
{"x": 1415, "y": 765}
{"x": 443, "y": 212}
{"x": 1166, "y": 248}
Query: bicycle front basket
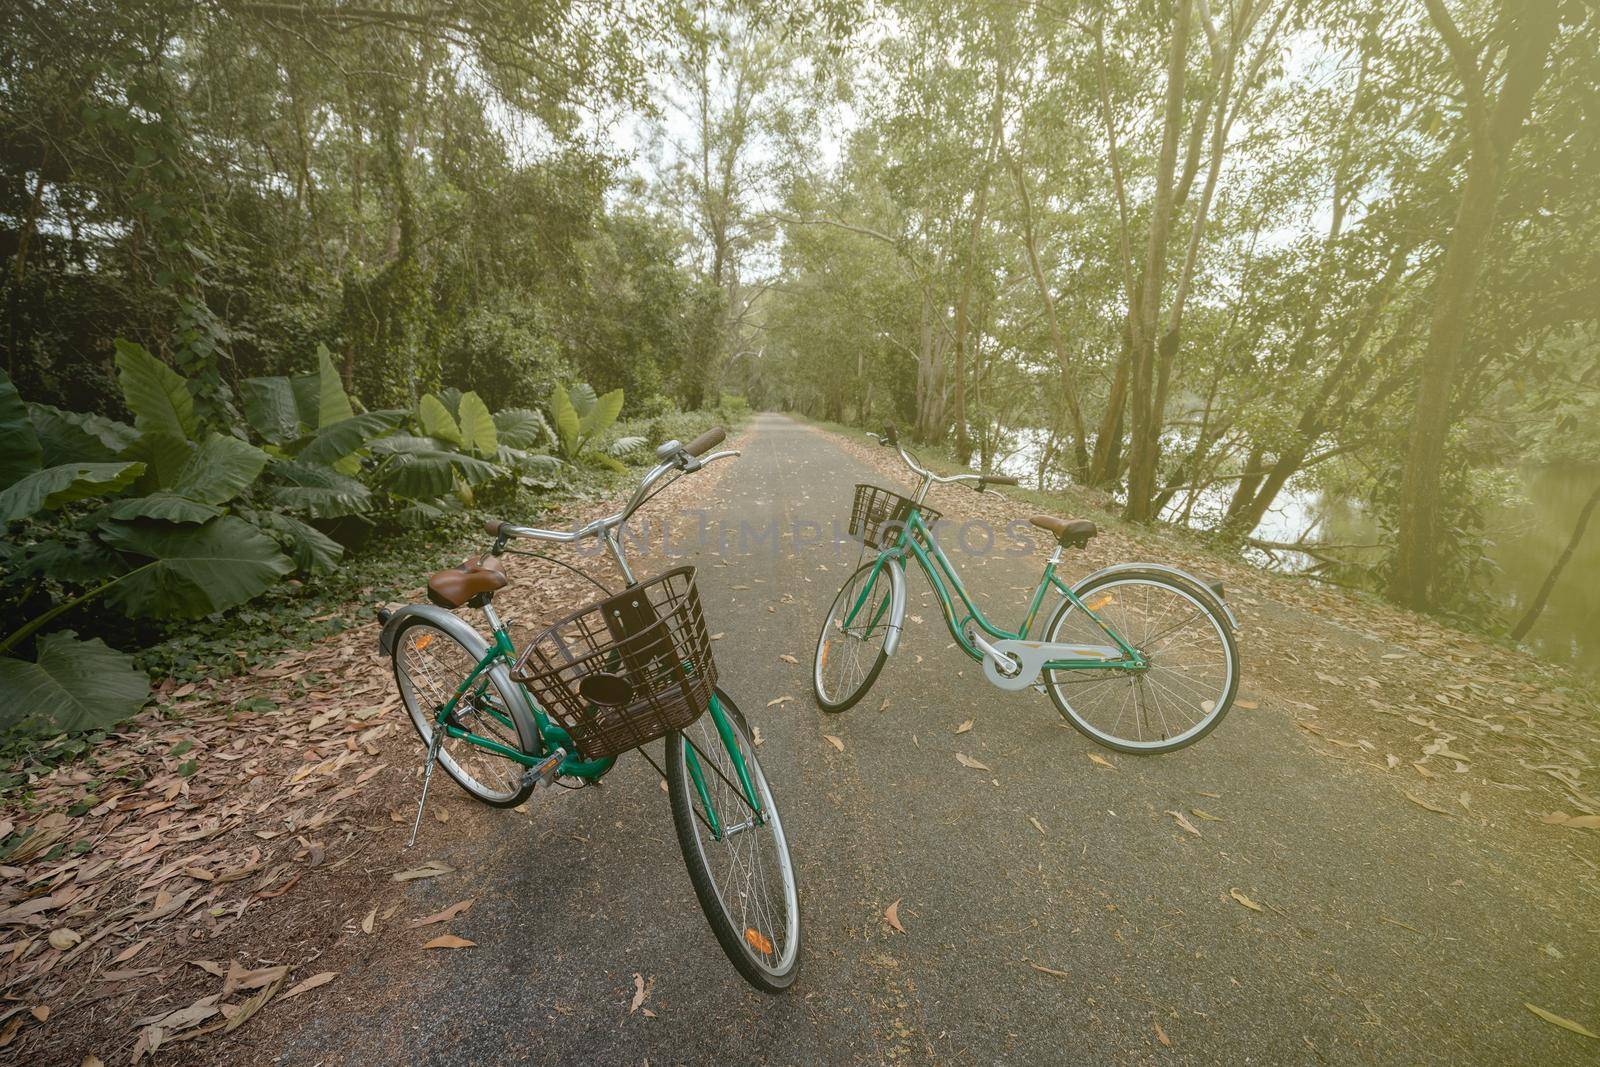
{"x": 626, "y": 670}
{"x": 878, "y": 515}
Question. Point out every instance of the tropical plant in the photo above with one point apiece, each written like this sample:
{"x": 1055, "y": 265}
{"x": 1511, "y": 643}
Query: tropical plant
{"x": 582, "y": 418}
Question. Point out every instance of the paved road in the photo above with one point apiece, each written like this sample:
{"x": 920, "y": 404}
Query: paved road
{"x": 1388, "y": 936}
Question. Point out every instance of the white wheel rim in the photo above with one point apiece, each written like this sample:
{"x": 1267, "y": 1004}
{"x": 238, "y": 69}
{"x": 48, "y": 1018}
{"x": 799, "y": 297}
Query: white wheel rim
{"x": 1163, "y": 694}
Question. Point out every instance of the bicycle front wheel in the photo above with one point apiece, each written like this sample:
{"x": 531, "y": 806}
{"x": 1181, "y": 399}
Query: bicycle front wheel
{"x": 850, "y": 653}
{"x": 430, "y": 665}
{"x": 737, "y": 856}
{"x": 1193, "y": 672}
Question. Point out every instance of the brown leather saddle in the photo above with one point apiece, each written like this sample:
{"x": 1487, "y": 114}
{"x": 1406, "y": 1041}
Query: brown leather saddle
{"x": 1070, "y": 533}
{"x": 473, "y": 583}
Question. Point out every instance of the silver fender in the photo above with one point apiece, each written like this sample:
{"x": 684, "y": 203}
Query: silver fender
{"x": 1201, "y": 587}
{"x": 897, "y": 605}
{"x": 453, "y": 625}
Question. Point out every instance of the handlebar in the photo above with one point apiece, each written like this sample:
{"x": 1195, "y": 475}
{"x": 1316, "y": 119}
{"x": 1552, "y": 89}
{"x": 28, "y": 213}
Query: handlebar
{"x": 685, "y": 459}
{"x": 706, "y": 441}
{"x": 890, "y": 439}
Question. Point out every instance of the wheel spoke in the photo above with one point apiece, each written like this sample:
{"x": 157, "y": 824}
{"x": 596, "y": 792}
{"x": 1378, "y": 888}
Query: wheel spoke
{"x": 1187, "y": 683}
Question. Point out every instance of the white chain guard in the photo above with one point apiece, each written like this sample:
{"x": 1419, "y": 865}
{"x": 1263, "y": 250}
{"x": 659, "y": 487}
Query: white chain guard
{"x": 1033, "y": 655}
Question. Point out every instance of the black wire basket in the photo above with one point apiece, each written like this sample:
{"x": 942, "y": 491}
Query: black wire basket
{"x": 878, "y": 515}
{"x": 626, "y": 670}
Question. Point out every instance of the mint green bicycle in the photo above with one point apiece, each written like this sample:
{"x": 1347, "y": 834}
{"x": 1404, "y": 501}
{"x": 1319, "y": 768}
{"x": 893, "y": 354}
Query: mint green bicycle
{"x": 1140, "y": 657}
{"x": 627, "y": 670}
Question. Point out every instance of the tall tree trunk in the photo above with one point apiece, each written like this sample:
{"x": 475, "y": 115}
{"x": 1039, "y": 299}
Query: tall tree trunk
{"x": 1146, "y": 434}
{"x": 980, "y": 208}
{"x": 1531, "y": 616}
{"x": 1531, "y": 27}
{"x": 1069, "y": 385}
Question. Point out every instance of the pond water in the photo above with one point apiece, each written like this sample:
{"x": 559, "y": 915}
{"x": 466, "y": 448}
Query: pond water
{"x": 1525, "y": 537}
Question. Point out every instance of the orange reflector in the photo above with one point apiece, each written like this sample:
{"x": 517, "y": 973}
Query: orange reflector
{"x": 1100, "y": 601}
{"x": 758, "y": 941}
{"x": 423, "y": 642}
{"x": 822, "y": 663}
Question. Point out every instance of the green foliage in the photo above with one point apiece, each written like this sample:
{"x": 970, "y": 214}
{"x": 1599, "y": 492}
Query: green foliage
{"x": 582, "y": 418}
{"x": 72, "y": 685}
{"x": 156, "y": 394}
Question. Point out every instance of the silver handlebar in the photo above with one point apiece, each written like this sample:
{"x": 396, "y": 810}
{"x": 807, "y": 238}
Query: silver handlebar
{"x": 601, "y": 527}
{"x": 942, "y": 479}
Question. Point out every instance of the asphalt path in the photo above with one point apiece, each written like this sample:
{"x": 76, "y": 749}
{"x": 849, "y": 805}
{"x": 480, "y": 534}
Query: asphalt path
{"x": 1054, "y": 910}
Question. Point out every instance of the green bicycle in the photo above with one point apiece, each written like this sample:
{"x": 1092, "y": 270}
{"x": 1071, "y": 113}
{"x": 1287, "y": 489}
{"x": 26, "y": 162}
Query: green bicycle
{"x": 1140, "y": 657}
{"x": 627, "y": 670}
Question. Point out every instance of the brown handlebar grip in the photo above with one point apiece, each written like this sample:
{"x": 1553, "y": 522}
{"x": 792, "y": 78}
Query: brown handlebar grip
{"x": 492, "y": 526}
{"x": 1000, "y": 479}
{"x": 706, "y": 441}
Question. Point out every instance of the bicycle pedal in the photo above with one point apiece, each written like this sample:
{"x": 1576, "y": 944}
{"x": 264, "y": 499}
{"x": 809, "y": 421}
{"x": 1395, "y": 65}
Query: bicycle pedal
{"x": 544, "y": 772}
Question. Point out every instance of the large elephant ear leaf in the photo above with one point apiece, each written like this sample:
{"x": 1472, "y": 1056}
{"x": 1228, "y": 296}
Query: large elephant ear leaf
{"x": 75, "y": 685}
{"x": 54, "y": 487}
{"x": 477, "y": 426}
{"x": 567, "y": 421}
{"x": 313, "y": 551}
{"x": 583, "y": 399}
{"x": 317, "y": 491}
{"x": 192, "y": 571}
{"x": 20, "y": 454}
{"x": 155, "y": 393}
{"x": 522, "y": 428}
{"x": 164, "y": 457}
{"x": 220, "y": 469}
{"x": 271, "y": 409}
{"x": 333, "y": 405}
{"x": 602, "y": 414}
{"x": 73, "y": 437}
{"x": 437, "y": 421}
{"x": 168, "y": 507}
{"x": 333, "y": 443}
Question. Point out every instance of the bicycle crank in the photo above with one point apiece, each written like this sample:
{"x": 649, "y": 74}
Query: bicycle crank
{"x": 1014, "y": 664}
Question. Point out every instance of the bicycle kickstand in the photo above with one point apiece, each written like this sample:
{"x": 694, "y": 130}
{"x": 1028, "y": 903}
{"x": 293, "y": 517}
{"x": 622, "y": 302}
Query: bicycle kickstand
{"x": 427, "y": 779}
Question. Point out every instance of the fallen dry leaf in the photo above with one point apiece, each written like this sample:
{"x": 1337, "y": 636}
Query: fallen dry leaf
{"x": 1580, "y": 822}
{"x": 788, "y": 658}
{"x": 1161, "y": 1036}
{"x": 1184, "y": 822}
{"x": 309, "y": 984}
{"x": 1557, "y": 1020}
{"x": 1096, "y": 757}
{"x": 64, "y": 939}
{"x": 1424, "y": 804}
{"x": 779, "y": 700}
{"x": 367, "y": 922}
{"x": 834, "y": 741}
{"x": 964, "y": 727}
{"x": 977, "y": 765}
{"x": 442, "y": 916}
{"x": 638, "y": 993}
{"x": 431, "y": 870}
{"x": 1042, "y": 969}
{"x": 239, "y": 978}
{"x": 450, "y": 941}
{"x": 1037, "y": 825}
{"x": 1201, "y": 813}
{"x": 891, "y": 915}
{"x": 1246, "y": 901}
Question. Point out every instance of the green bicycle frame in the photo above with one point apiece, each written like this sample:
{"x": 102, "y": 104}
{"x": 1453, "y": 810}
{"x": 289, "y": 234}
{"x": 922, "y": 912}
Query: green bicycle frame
{"x": 552, "y": 736}
{"x": 916, "y": 540}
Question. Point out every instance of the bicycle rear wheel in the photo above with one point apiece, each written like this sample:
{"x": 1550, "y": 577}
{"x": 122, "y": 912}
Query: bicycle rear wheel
{"x": 429, "y": 666}
{"x": 849, "y": 658}
{"x": 1193, "y": 672}
{"x": 741, "y": 871}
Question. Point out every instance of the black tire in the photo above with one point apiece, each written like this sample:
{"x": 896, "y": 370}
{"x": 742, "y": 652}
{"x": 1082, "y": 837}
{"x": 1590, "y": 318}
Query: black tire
{"x": 1202, "y": 599}
{"x": 685, "y": 822}
{"x": 460, "y": 758}
{"x": 846, "y": 701}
